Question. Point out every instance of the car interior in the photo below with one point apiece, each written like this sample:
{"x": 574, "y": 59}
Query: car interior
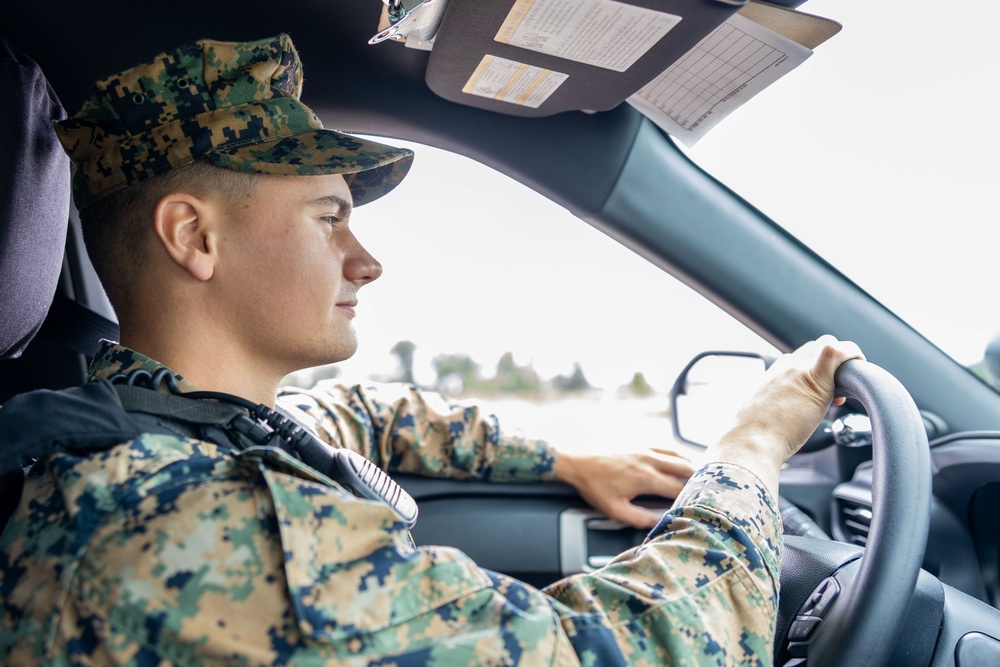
{"x": 892, "y": 538}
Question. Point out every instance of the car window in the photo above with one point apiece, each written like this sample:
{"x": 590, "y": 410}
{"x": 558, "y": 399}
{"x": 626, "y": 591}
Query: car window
{"x": 492, "y": 291}
{"x": 878, "y": 153}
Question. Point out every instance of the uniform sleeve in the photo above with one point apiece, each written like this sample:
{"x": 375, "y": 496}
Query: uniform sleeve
{"x": 403, "y": 429}
{"x": 200, "y": 558}
{"x": 702, "y": 590}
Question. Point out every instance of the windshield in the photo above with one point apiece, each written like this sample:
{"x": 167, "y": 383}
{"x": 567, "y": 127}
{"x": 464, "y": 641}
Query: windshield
{"x": 879, "y": 153}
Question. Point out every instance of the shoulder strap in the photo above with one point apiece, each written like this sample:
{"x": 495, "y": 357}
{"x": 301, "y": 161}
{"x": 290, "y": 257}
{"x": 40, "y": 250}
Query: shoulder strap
{"x": 225, "y": 425}
{"x": 214, "y": 420}
{"x": 188, "y": 410}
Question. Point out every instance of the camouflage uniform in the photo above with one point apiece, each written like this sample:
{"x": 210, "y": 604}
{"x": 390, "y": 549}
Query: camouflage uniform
{"x": 165, "y": 550}
{"x": 168, "y": 550}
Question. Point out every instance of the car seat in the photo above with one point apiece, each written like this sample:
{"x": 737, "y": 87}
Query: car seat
{"x": 34, "y": 199}
{"x": 37, "y": 294}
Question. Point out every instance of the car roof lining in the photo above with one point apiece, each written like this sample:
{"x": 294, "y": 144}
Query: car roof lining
{"x": 388, "y": 98}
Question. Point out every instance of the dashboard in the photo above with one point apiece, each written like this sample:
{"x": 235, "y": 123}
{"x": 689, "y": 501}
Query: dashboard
{"x": 963, "y": 548}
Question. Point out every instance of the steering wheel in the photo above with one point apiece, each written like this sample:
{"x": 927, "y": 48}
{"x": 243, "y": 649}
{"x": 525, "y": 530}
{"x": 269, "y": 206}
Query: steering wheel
{"x": 860, "y": 625}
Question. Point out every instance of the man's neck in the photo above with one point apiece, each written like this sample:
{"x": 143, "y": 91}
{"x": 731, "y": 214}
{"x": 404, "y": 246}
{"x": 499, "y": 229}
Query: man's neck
{"x": 210, "y": 365}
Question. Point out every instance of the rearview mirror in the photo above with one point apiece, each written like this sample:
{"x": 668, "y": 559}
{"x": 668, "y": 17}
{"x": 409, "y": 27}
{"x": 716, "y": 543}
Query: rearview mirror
{"x": 710, "y": 391}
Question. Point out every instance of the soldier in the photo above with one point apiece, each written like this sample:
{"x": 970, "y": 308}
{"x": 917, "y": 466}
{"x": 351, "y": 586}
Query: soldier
{"x": 215, "y": 208}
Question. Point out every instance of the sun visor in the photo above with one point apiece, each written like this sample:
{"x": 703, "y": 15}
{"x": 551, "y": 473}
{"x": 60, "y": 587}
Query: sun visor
{"x": 542, "y": 57}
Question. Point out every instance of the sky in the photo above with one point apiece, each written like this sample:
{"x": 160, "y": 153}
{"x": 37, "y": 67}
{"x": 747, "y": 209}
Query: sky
{"x": 486, "y": 266}
{"x": 886, "y": 159}
{"x": 879, "y": 151}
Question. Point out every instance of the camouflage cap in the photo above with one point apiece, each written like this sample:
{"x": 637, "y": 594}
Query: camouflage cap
{"x": 231, "y": 104}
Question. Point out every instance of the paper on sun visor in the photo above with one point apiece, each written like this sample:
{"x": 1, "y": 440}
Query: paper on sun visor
{"x": 513, "y": 82}
{"x": 733, "y": 63}
{"x": 603, "y": 33}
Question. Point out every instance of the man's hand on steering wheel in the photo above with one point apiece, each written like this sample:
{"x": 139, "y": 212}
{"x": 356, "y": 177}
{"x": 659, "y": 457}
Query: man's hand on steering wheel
{"x": 795, "y": 395}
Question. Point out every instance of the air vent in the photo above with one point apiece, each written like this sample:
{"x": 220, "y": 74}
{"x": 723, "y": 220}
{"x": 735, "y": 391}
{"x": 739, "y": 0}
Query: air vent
{"x": 854, "y": 520}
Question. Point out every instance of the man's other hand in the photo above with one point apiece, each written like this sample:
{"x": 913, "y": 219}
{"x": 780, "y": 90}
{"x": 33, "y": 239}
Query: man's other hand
{"x": 609, "y": 483}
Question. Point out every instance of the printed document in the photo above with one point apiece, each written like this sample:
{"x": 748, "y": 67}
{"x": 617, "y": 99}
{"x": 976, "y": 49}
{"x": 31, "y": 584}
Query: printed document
{"x": 727, "y": 68}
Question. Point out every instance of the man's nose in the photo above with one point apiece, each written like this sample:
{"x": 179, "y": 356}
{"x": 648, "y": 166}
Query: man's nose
{"x": 361, "y": 267}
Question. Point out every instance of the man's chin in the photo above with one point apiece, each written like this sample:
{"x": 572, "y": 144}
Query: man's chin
{"x": 332, "y": 353}
{"x": 342, "y": 349}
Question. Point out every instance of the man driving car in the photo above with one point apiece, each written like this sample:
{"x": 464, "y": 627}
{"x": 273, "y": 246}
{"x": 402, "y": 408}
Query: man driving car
{"x": 216, "y": 210}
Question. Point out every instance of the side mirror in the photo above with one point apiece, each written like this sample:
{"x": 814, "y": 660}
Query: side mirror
{"x": 710, "y": 391}
{"x": 713, "y": 387}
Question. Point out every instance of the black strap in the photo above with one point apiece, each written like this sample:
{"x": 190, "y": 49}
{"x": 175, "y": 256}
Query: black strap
{"x": 231, "y": 425}
{"x": 224, "y": 424}
{"x": 98, "y": 416}
{"x": 188, "y": 410}
{"x": 77, "y": 327}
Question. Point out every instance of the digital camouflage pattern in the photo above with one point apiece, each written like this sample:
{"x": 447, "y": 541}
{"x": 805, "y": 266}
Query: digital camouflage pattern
{"x": 171, "y": 551}
{"x": 232, "y": 104}
{"x": 396, "y": 426}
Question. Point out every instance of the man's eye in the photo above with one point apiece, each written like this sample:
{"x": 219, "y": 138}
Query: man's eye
{"x": 331, "y": 220}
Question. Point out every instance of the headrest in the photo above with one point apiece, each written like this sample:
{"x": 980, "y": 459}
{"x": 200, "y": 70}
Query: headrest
{"x": 34, "y": 199}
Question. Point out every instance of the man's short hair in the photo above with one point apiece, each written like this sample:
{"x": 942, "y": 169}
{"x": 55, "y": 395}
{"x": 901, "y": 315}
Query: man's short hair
{"x": 117, "y": 228}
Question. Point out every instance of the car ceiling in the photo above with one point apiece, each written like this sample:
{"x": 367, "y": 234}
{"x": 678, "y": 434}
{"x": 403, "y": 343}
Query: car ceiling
{"x": 351, "y": 85}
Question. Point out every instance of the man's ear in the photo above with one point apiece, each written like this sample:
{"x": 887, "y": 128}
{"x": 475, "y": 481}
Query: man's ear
{"x": 184, "y": 225}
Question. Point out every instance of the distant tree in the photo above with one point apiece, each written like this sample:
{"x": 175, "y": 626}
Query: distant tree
{"x": 403, "y": 351}
{"x": 514, "y": 379}
{"x": 506, "y": 364}
{"x": 575, "y": 381}
{"x": 307, "y": 377}
{"x": 638, "y": 386}
{"x": 327, "y": 372}
{"x": 455, "y": 373}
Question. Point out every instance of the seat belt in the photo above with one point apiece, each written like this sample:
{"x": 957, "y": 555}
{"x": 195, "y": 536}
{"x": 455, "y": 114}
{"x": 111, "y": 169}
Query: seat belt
{"x": 73, "y": 325}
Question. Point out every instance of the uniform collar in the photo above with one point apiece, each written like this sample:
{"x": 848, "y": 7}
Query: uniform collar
{"x": 112, "y": 358}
